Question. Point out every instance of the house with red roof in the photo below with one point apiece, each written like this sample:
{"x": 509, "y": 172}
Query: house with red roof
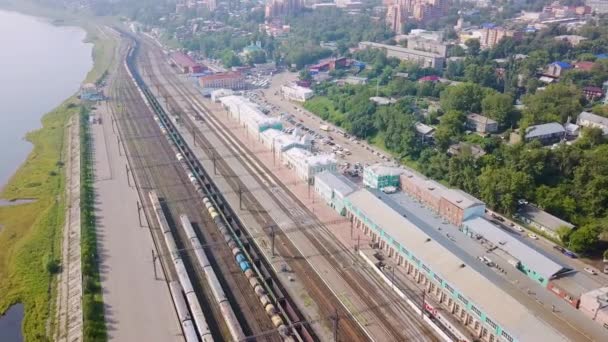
{"x": 584, "y": 66}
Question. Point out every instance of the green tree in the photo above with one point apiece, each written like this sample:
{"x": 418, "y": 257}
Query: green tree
{"x": 450, "y": 129}
{"x": 556, "y": 103}
{"x": 473, "y": 47}
{"x": 501, "y": 188}
{"x": 464, "y": 97}
{"x": 499, "y": 107}
{"x": 230, "y": 59}
{"x": 584, "y": 239}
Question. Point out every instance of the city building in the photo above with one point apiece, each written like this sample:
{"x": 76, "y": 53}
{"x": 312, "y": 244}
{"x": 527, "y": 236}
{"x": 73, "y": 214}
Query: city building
{"x": 423, "y": 58}
{"x": 333, "y": 189}
{"x": 536, "y": 264}
{"x": 481, "y": 124}
{"x": 548, "y": 133}
{"x": 296, "y": 93}
{"x": 598, "y": 6}
{"x": 379, "y": 176}
{"x": 542, "y": 220}
{"x": 227, "y": 80}
{"x": 465, "y": 287}
{"x": 587, "y": 119}
{"x": 249, "y": 115}
{"x": 421, "y": 43}
{"x": 306, "y": 164}
{"x": 492, "y": 35}
{"x": 281, "y": 8}
{"x": 89, "y": 92}
{"x": 186, "y": 64}
{"x": 394, "y": 18}
{"x": 594, "y": 304}
{"x": 422, "y": 11}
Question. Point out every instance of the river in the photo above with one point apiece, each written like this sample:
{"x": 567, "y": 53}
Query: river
{"x": 40, "y": 66}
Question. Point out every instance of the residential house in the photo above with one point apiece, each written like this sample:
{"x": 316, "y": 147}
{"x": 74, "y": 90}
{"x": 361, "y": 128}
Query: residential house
{"x": 481, "y": 124}
{"x": 593, "y": 93}
{"x": 424, "y": 131}
{"x": 556, "y": 69}
{"x": 542, "y": 220}
{"x": 548, "y": 133}
{"x": 587, "y": 119}
{"x": 475, "y": 150}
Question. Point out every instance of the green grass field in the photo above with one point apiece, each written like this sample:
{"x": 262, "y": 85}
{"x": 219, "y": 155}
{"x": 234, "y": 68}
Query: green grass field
{"x": 30, "y": 238}
{"x": 30, "y": 234}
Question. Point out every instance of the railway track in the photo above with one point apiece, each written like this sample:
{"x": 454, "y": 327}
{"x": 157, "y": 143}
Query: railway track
{"x": 414, "y": 328}
{"x": 135, "y": 120}
{"x": 260, "y": 267}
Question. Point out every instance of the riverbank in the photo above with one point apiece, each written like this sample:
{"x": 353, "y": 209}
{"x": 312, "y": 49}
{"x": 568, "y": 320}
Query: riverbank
{"x": 30, "y": 239}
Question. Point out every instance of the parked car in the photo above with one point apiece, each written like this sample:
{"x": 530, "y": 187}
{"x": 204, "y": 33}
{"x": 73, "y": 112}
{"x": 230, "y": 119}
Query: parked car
{"x": 606, "y": 269}
{"x": 590, "y": 270}
{"x": 533, "y": 236}
{"x": 559, "y": 248}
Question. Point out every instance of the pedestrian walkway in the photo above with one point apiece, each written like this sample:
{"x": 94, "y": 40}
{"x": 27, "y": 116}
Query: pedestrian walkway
{"x": 69, "y": 299}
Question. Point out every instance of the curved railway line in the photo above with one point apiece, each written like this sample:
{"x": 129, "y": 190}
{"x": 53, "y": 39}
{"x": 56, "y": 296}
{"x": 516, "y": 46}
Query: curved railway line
{"x": 413, "y": 329}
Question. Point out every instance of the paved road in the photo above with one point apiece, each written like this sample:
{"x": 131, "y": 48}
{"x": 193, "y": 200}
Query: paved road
{"x": 138, "y": 307}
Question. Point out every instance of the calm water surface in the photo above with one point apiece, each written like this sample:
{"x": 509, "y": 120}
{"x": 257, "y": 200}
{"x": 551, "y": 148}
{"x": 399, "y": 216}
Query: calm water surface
{"x": 10, "y": 324}
{"x": 40, "y": 66}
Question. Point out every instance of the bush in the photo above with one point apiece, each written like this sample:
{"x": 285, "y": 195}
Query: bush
{"x": 53, "y": 266}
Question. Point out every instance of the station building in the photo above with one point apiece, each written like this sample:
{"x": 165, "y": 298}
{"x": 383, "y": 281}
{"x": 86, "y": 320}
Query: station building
{"x": 279, "y": 142}
{"x": 294, "y": 92}
{"x": 536, "y": 264}
{"x": 461, "y": 285}
{"x": 333, "y": 189}
{"x": 379, "y": 176}
{"x": 306, "y": 165}
{"x": 454, "y": 205}
{"x": 249, "y": 115}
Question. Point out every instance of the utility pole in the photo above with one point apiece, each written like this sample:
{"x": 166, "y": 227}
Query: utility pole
{"x": 154, "y": 257}
{"x": 272, "y": 236}
{"x": 139, "y": 208}
{"x": 240, "y": 197}
{"x": 335, "y": 319}
{"x": 194, "y": 135}
{"x": 118, "y": 143}
{"x": 128, "y": 180}
{"x": 423, "y": 301}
